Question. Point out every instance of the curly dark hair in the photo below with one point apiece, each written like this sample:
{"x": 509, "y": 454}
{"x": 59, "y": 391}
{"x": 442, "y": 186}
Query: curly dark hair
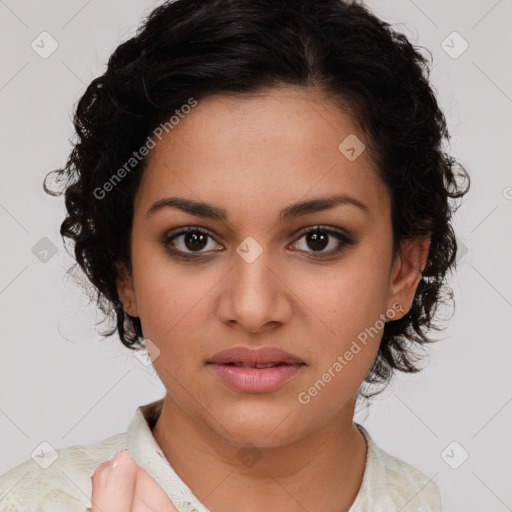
{"x": 197, "y": 48}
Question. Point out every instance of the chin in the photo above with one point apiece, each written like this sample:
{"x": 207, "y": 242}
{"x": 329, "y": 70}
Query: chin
{"x": 261, "y": 428}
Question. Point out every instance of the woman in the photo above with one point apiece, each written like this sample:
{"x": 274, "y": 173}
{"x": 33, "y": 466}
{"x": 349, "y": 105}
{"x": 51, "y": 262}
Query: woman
{"x": 260, "y": 196}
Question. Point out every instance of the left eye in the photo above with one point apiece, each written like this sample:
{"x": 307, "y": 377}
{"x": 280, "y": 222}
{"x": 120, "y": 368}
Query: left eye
{"x": 318, "y": 239}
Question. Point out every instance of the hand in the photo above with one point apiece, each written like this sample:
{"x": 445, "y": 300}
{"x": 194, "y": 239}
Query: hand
{"x": 121, "y": 485}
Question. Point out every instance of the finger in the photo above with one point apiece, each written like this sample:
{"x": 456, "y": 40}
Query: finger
{"x": 99, "y": 479}
{"x": 149, "y": 496}
{"x": 113, "y": 484}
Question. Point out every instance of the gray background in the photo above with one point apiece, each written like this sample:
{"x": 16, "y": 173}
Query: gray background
{"x": 62, "y": 383}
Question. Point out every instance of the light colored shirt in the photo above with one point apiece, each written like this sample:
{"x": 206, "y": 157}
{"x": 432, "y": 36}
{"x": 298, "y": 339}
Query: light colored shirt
{"x": 389, "y": 484}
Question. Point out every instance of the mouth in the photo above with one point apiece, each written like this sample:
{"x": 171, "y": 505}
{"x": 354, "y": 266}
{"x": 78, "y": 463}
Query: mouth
{"x": 255, "y": 370}
{"x": 240, "y": 356}
{"x": 245, "y": 364}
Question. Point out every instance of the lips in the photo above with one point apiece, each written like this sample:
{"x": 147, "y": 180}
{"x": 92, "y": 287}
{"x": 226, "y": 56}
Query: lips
{"x": 255, "y": 370}
{"x": 264, "y": 357}
{"x": 244, "y": 364}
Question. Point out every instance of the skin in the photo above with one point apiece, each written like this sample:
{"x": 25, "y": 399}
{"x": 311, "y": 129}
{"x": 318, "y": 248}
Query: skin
{"x": 254, "y": 155}
{"x": 120, "y": 485}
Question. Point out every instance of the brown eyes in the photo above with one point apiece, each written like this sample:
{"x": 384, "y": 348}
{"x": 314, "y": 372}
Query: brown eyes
{"x": 189, "y": 242}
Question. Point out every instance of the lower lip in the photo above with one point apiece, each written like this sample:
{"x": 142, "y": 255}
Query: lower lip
{"x": 255, "y": 380}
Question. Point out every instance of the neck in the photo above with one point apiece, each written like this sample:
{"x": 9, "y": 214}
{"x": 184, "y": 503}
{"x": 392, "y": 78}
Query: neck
{"x": 321, "y": 471}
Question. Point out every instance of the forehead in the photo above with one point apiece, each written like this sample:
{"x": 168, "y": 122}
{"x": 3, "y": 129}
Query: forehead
{"x": 253, "y": 151}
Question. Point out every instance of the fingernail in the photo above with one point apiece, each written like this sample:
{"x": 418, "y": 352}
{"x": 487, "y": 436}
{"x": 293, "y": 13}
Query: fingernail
{"x": 118, "y": 457}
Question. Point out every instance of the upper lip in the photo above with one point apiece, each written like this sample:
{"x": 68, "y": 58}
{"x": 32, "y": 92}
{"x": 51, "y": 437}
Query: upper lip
{"x": 262, "y": 355}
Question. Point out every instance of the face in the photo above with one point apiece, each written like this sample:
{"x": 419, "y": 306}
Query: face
{"x": 313, "y": 281}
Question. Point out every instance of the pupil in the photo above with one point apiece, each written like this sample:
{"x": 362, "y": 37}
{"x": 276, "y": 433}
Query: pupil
{"x": 195, "y": 240}
{"x": 318, "y": 242}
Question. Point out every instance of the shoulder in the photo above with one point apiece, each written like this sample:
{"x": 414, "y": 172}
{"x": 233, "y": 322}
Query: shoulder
{"x": 391, "y": 484}
{"x": 60, "y": 482}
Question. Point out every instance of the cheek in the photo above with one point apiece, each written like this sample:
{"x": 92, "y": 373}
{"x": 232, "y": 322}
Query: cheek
{"x": 348, "y": 299}
{"x": 169, "y": 296}
{"x": 351, "y": 304}
{"x": 356, "y": 307}
{"x": 343, "y": 361}
{"x": 175, "y": 305}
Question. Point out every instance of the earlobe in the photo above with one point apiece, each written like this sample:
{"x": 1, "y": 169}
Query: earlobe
{"x": 126, "y": 292}
{"x": 408, "y": 266}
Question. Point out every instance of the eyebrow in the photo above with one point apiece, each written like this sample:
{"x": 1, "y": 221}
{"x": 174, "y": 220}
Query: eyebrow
{"x": 210, "y": 211}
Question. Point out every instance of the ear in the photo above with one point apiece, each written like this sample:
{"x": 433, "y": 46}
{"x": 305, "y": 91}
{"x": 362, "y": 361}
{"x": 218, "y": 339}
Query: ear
{"x": 126, "y": 291}
{"x": 408, "y": 265}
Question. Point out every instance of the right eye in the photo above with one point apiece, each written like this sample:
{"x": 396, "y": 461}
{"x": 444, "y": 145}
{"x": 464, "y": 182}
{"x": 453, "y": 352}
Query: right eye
{"x": 187, "y": 241}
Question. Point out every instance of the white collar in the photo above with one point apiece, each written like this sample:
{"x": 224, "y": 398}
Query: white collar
{"x": 147, "y": 453}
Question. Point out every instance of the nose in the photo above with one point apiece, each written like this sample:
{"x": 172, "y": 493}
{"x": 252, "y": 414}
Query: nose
{"x": 255, "y": 296}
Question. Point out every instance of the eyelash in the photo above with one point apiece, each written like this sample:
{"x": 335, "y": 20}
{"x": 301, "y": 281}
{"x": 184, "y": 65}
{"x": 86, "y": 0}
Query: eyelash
{"x": 343, "y": 238}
